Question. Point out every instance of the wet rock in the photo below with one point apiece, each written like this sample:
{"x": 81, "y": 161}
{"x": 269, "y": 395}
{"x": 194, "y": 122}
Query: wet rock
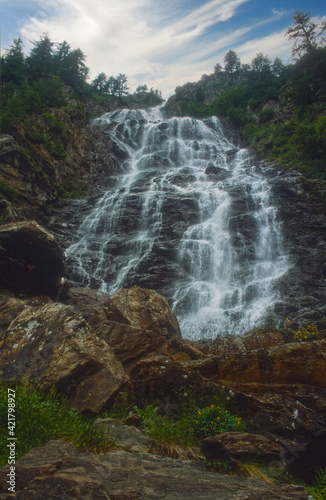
{"x": 301, "y": 209}
{"x": 217, "y": 173}
{"x": 31, "y": 260}
{"x": 255, "y": 339}
{"x": 54, "y": 346}
{"x": 146, "y": 309}
{"x": 59, "y": 470}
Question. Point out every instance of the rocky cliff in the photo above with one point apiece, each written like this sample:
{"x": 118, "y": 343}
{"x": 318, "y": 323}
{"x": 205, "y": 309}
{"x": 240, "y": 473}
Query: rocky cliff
{"x": 59, "y": 164}
{"x": 91, "y": 345}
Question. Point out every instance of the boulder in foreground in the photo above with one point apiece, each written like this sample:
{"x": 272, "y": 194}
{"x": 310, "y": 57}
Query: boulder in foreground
{"x": 52, "y": 345}
{"x": 59, "y": 470}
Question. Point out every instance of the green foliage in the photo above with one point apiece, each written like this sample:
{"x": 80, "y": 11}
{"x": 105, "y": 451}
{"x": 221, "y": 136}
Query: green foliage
{"x": 7, "y": 192}
{"x": 178, "y": 424}
{"x": 305, "y": 33}
{"x": 221, "y": 466}
{"x": 318, "y": 490}
{"x": 18, "y": 101}
{"x": 41, "y": 416}
{"x": 72, "y": 188}
{"x": 265, "y": 115}
{"x": 55, "y": 149}
{"x": 243, "y": 94}
{"x": 170, "y": 429}
{"x": 293, "y": 333}
{"x": 307, "y": 333}
{"x": 232, "y": 98}
{"x": 56, "y": 125}
{"x": 214, "y": 420}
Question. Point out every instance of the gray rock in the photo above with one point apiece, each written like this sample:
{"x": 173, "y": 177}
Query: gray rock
{"x": 58, "y": 470}
{"x": 125, "y": 436}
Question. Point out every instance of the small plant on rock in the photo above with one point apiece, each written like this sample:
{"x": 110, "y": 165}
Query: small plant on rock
{"x": 307, "y": 333}
{"x": 214, "y": 420}
{"x": 221, "y": 466}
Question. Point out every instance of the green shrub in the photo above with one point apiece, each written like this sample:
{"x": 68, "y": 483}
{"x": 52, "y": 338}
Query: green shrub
{"x": 221, "y": 466}
{"x": 307, "y": 333}
{"x": 40, "y": 417}
{"x": 265, "y": 115}
{"x": 55, "y": 149}
{"x": 7, "y": 192}
{"x": 176, "y": 429}
{"x": 55, "y": 125}
{"x": 318, "y": 490}
{"x": 214, "y": 420}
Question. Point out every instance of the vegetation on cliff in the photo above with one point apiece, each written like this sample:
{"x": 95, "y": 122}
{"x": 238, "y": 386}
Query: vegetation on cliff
{"x": 46, "y": 106}
{"x": 34, "y": 83}
{"x": 279, "y": 108}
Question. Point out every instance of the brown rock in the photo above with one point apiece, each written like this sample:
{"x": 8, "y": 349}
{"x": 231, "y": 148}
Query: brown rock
{"x": 53, "y": 345}
{"x": 254, "y": 339}
{"x": 145, "y": 309}
{"x": 264, "y": 361}
{"x": 58, "y": 470}
{"x": 31, "y": 261}
{"x": 300, "y": 362}
{"x": 241, "y": 446}
{"x": 130, "y": 344}
{"x": 11, "y": 307}
{"x": 291, "y": 415}
{"x": 158, "y": 377}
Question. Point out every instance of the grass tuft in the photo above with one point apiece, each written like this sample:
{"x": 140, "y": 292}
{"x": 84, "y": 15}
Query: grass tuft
{"x": 41, "y": 416}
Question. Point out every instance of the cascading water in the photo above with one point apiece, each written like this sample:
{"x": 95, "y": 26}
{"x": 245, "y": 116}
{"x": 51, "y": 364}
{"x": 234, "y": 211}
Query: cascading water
{"x": 191, "y": 217}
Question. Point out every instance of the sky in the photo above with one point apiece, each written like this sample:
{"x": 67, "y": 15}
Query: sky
{"x": 163, "y": 43}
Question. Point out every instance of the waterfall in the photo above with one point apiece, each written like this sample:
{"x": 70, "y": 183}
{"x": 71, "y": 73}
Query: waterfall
{"x": 191, "y": 216}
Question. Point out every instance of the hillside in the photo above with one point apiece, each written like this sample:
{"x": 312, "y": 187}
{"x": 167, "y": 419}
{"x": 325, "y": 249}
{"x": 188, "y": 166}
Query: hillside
{"x": 280, "y": 109}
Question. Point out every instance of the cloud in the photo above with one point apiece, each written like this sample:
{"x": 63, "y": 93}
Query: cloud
{"x": 163, "y": 44}
{"x": 135, "y": 37}
{"x": 274, "y": 45}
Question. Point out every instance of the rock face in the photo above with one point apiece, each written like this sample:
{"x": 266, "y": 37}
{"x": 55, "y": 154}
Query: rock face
{"x": 27, "y": 182}
{"x": 31, "y": 261}
{"x": 53, "y": 346}
{"x": 301, "y": 207}
{"x": 299, "y": 362}
{"x": 59, "y": 470}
